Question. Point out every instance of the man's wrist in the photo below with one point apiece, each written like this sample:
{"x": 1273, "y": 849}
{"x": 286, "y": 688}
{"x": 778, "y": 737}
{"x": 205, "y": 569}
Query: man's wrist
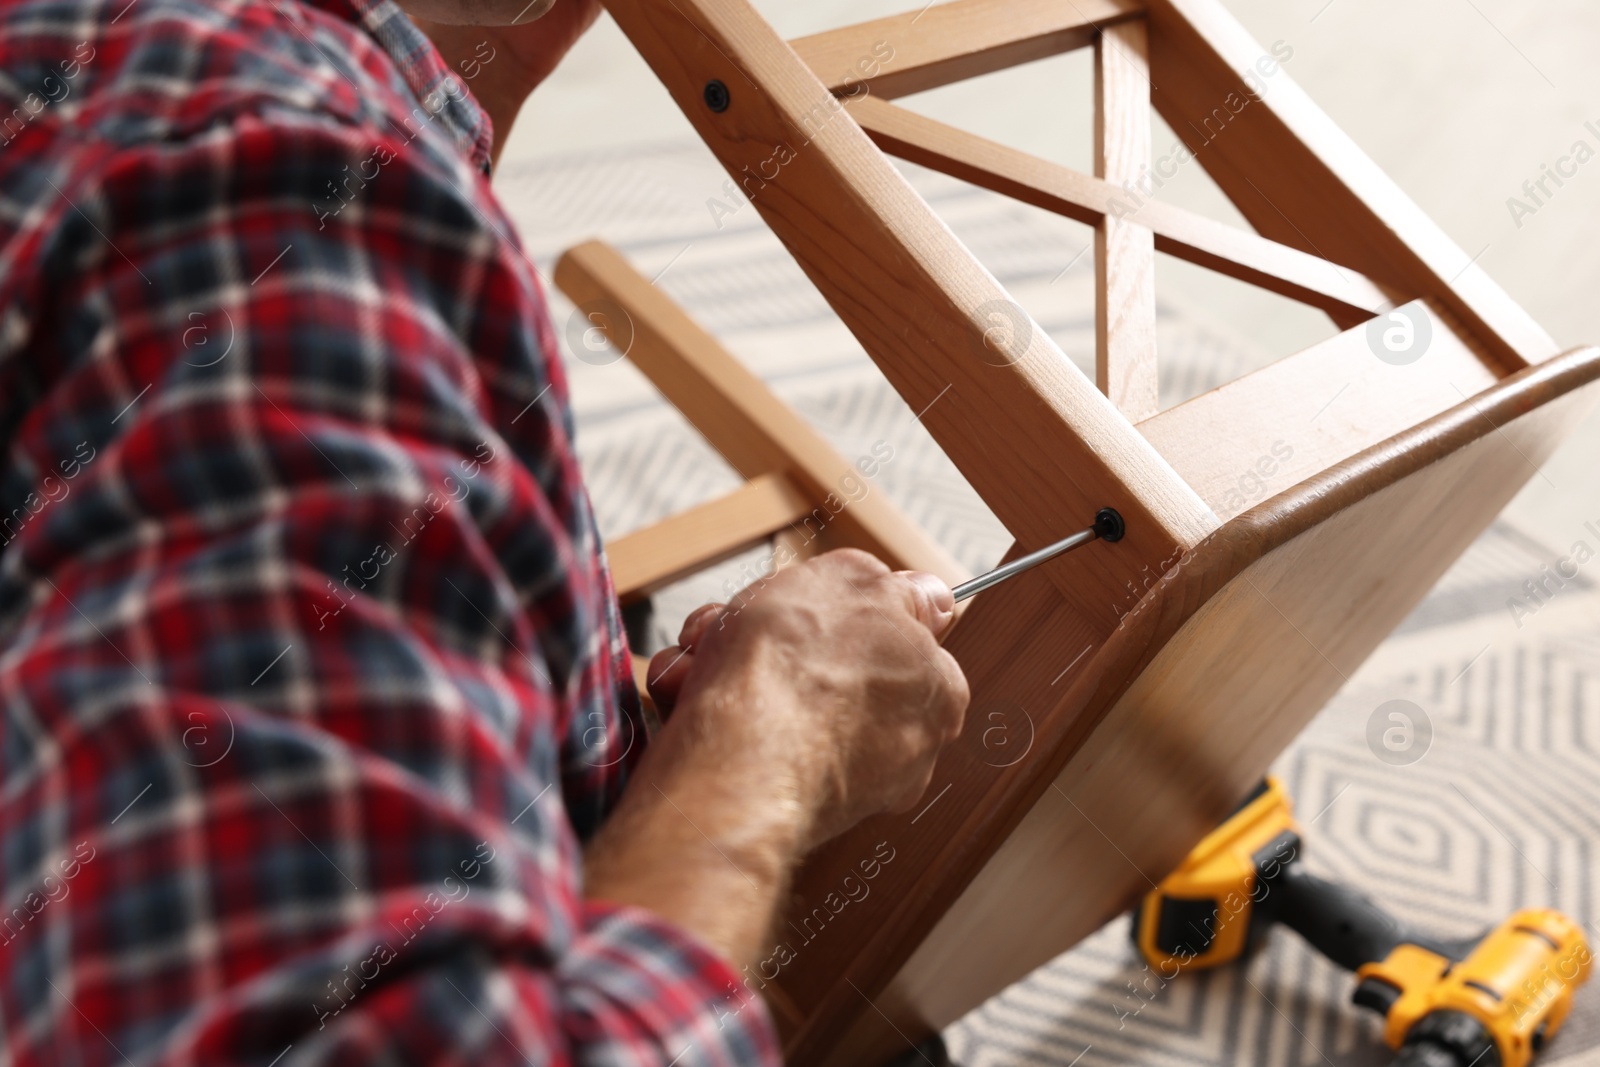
{"x": 735, "y": 733}
{"x": 700, "y": 851}
{"x": 716, "y": 815}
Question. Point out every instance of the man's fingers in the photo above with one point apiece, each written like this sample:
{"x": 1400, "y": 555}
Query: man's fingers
{"x": 670, "y": 666}
{"x": 665, "y": 676}
{"x": 958, "y": 693}
{"x": 694, "y": 627}
{"x": 931, "y": 600}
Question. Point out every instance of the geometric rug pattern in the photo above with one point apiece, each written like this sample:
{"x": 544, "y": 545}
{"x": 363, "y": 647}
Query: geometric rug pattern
{"x": 1502, "y": 809}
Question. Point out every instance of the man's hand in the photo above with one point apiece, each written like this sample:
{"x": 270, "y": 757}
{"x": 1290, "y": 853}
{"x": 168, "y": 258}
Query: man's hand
{"x": 819, "y": 698}
{"x": 854, "y": 649}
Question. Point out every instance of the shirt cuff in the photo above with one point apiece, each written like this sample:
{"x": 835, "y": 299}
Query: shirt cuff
{"x": 636, "y": 983}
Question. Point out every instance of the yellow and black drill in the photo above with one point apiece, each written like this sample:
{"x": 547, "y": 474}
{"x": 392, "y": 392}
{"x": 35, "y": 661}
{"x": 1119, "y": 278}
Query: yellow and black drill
{"x": 1491, "y": 1001}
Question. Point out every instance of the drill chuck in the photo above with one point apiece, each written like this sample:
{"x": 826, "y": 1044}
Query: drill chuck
{"x": 1427, "y": 1054}
{"x": 1449, "y": 1039}
{"x": 1501, "y": 1002}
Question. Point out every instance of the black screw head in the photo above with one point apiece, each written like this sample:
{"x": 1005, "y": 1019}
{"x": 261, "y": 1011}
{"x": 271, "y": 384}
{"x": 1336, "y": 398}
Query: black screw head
{"x": 717, "y": 98}
{"x": 1108, "y": 525}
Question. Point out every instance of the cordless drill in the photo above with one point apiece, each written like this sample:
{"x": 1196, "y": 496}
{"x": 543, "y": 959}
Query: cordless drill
{"x": 1489, "y": 1001}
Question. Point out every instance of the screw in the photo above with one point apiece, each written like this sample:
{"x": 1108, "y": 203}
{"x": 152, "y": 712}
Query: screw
{"x": 717, "y": 98}
{"x": 1109, "y": 525}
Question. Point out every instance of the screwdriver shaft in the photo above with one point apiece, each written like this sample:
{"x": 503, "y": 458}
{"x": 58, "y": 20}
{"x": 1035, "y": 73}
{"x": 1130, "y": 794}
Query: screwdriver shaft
{"x": 1028, "y": 562}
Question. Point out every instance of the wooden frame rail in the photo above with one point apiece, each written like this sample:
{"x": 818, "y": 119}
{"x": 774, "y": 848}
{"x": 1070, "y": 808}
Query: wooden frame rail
{"x": 1124, "y": 249}
{"x": 1349, "y": 296}
{"x": 952, "y": 42}
{"x": 649, "y": 560}
{"x": 1301, "y": 180}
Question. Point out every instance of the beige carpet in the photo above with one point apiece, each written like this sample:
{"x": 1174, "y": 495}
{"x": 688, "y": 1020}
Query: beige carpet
{"x": 1503, "y": 810}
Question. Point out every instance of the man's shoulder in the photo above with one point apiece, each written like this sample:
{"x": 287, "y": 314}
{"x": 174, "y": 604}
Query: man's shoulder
{"x": 136, "y": 71}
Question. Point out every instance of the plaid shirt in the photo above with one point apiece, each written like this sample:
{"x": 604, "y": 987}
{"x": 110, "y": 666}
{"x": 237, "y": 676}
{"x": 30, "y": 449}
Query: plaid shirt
{"x": 312, "y": 677}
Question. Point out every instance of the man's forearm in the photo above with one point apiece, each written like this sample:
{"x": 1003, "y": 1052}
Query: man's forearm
{"x": 709, "y": 829}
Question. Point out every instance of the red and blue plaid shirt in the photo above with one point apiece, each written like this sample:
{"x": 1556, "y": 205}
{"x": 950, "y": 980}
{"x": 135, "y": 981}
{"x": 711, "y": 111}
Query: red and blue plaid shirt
{"x": 313, "y": 682}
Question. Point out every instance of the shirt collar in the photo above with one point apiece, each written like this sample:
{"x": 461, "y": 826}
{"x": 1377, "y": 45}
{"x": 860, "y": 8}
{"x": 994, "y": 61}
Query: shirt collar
{"x": 434, "y": 84}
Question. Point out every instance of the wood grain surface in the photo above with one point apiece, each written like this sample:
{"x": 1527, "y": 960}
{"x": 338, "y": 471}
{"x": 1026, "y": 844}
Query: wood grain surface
{"x": 1257, "y": 435}
{"x": 1124, "y": 248}
{"x": 943, "y": 43}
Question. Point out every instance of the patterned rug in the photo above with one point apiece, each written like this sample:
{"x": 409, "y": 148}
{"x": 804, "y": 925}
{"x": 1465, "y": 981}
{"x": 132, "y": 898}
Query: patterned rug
{"x": 1499, "y": 810}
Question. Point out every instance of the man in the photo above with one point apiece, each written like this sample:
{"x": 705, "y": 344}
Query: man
{"x": 317, "y": 715}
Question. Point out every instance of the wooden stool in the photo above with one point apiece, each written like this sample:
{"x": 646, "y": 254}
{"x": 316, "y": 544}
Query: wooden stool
{"x": 1127, "y": 695}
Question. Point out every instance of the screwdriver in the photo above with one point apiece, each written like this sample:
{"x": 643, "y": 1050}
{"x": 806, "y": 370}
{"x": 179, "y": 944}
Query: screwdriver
{"x": 1108, "y": 526}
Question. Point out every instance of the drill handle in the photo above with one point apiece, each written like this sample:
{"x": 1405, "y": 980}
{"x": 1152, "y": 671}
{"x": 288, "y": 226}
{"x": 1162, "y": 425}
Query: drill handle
{"x": 1339, "y": 922}
{"x": 1344, "y": 925}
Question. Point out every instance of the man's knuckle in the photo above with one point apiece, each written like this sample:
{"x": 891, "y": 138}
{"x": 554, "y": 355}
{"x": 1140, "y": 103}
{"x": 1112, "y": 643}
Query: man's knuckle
{"x": 859, "y": 562}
